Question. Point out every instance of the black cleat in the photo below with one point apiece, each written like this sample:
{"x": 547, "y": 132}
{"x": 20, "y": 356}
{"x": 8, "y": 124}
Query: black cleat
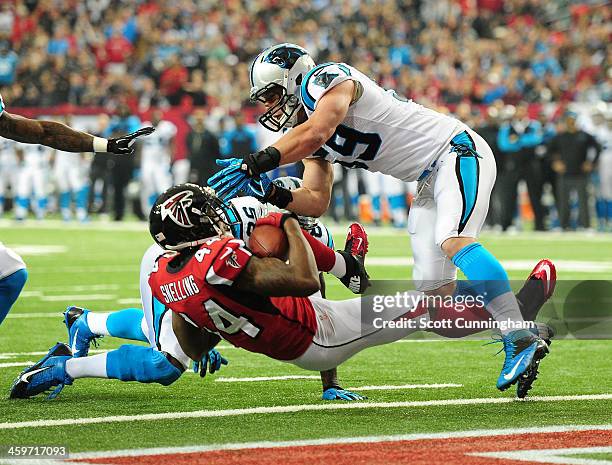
{"x": 356, "y": 278}
{"x": 527, "y": 378}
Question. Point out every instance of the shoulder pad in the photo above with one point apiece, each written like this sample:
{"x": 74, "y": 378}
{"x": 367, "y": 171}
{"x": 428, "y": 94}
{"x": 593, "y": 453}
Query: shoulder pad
{"x": 320, "y": 79}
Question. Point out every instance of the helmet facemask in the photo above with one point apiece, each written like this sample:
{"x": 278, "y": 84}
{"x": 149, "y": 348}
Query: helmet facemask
{"x": 283, "y": 113}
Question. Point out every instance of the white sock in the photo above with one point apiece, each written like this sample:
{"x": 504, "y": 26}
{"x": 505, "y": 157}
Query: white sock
{"x": 97, "y": 323}
{"x": 504, "y": 309}
{"x": 339, "y": 268}
{"x": 93, "y": 366}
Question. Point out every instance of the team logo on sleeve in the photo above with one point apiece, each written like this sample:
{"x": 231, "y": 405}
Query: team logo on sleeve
{"x": 176, "y": 208}
{"x": 325, "y": 79}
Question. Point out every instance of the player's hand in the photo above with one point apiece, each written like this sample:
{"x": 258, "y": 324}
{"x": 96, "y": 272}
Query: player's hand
{"x": 212, "y": 361}
{"x": 260, "y": 187}
{"x": 124, "y": 145}
{"x": 341, "y": 394}
{"x": 275, "y": 219}
{"x": 231, "y": 179}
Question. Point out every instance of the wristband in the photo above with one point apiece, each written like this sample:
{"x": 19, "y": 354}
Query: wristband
{"x": 100, "y": 144}
{"x": 262, "y": 161}
{"x": 280, "y": 197}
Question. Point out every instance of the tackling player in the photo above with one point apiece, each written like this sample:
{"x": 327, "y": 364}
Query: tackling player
{"x": 164, "y": 361}
{"x": 338, "y": 114}
{"x": 13, "y": 272}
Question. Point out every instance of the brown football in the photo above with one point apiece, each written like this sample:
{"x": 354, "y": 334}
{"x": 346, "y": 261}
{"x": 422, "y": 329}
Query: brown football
{"x": 269, "y": 241}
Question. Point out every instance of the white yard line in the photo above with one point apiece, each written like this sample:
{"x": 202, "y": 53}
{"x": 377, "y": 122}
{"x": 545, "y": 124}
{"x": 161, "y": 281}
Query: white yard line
{"x": 327, "y": 441}
{"x": 560, "y": 456}
{"x": 16, "y": 364}
{"x": 395, "y": 387}
{"x": 291, "y": 409}
{"x": 264, "y": 378}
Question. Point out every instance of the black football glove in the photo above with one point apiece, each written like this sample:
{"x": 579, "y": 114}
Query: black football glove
{"x": 124, "y": 145}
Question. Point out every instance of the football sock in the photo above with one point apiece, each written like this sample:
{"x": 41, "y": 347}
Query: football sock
{"x": 10, "y": 287}
{"x": 126, "y": 324}
{"x": 93, "y": 366}
{"x": 339, "y": 268}
{"x": 325, "y": 257}
{"x": 489, "y": 279}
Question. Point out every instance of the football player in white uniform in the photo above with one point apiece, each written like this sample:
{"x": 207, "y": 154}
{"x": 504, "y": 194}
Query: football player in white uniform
{"x": 164, "y": 361}
{"x": 156, "y": 154}
{"x": 8, "y": 170}
{"x": 71, "y": 174}
{"x": 13, "y": 273}
{"x": 32, "y": 177}
{"x": 338, "y": 114}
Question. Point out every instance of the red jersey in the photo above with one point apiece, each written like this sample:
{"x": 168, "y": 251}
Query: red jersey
{"x": 201, "y": 291}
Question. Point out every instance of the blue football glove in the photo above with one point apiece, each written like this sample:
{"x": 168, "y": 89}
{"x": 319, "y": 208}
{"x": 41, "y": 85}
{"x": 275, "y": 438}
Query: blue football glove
{"x": 230, "y": 180}
{"x": 212, "y": 360}
{"x": 341, "y": 394}
{"x": 260, "y": 187}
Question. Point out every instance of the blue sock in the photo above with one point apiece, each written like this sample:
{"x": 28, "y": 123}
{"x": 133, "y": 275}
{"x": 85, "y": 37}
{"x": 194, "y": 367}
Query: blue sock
{"x": 126, "y": 324}
{"x": 64, "y": 200}
{"x": 10, "y": 287}
{"x": 483, "y": 270}
{"x": 143, "y": 364}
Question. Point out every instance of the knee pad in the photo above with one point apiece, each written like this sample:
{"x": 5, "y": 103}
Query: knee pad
{"x": 142, "y": 364}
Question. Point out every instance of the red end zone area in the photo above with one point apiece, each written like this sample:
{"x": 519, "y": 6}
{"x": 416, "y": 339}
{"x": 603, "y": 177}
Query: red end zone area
{"x": 508, "y": 448}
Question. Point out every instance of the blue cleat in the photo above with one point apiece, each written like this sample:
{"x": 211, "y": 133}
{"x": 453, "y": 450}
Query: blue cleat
{"x": 341, "y": 394}
{"x": 522, "y": 349}
{"x": 80, "y": 336}
{"x": 49, "y": 372}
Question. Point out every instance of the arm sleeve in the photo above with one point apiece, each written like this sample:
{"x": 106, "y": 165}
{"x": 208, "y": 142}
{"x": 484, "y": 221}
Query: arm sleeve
{"x": 532, "y": 136}
{"x": 503, "y": 140}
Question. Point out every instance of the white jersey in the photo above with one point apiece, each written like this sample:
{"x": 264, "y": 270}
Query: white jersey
{"x": 156, "y": 146}
{"x": 36, "y": 156}
{"x": 381, "y": 131}
{"x": 243, "y": 213}
{"x": 8, "y": 155}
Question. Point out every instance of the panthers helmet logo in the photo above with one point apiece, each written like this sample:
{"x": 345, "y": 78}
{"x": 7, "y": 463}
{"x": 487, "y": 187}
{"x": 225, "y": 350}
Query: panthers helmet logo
{"x": 176, "y": 208}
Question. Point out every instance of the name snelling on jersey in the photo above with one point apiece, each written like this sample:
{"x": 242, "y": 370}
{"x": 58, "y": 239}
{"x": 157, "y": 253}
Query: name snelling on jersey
{"x": 179, "y": 290}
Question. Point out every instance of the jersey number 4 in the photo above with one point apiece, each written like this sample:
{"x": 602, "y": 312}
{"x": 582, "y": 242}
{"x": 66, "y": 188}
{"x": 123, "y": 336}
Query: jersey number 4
{"x": 227, "y": 322}
{"x": 351, "y": 143}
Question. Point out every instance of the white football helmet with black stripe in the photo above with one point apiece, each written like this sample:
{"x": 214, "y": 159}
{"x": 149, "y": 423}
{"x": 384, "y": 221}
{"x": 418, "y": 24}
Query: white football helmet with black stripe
{"x": 276, "y": 75}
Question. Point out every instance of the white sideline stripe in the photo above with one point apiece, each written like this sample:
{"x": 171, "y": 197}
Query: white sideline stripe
{"x": 561, "y": 456}
{"x": 326, "y": 441}
{"x": 393, "y": 387}
{"x": 264, "y": 378}
{"x": 16, "y": 364}
{"x": 291, "y": 409}
{"x": 6, "y": 355}
{"x": 574, "y": 265}
{"x": 35, "y": 315}
{"x": 34, "y": 249}
{"x": 129, "y": 301}
{"x": 88, "y": 297}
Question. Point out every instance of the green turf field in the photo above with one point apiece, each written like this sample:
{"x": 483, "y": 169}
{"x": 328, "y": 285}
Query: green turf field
{"x": 97, "y": 266}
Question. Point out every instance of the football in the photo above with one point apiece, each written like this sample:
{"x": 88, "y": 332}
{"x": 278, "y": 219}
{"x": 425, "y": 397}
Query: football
{"x": 269, "y": 241}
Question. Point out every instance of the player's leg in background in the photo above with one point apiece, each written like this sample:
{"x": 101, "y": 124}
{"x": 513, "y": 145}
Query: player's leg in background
{"x": 79, "y": 180}
{"x": 40, "y": 190}
{"x": 62, "y": 181}
{"x": 605, "y": 177}
{"x": 23, "y": 191}
{"x": 180, "y": 171}
{"x": 13, "y": 276}
{"x": 374, "y": 188}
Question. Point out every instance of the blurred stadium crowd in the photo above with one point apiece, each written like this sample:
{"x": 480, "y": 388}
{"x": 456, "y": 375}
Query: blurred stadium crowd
{"x": 512, "y": 69}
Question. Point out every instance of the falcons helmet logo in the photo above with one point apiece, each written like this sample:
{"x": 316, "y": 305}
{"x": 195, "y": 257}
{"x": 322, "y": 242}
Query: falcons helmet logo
{"x": 176, "y": 208}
